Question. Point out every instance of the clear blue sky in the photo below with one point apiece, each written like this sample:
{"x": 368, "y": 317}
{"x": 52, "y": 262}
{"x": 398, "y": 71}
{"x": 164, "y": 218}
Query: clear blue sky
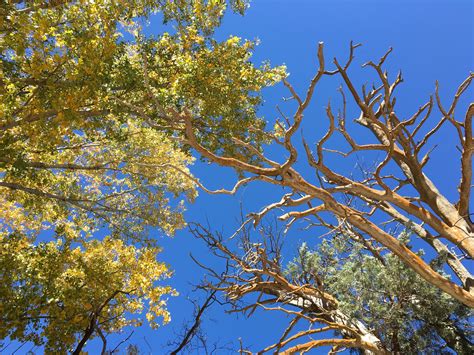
{"x": 432, "y": 39}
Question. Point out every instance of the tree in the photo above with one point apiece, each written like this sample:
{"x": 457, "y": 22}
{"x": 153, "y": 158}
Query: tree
{"x": 364, "y": 207}
{"x": 427, "y": 212}
{"x": 388, "y": 297}
{"x": 86, "y": 149}
{"x": 338, "y": 292}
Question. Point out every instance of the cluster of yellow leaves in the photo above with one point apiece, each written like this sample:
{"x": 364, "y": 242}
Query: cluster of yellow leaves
{"x": 216, "y": 81}
{"x": 52, "y": 291}
{"x": 66, "y": 151}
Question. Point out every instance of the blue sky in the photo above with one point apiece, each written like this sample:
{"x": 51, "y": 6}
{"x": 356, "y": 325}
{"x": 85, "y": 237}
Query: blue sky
{"x": 432, "y": 40}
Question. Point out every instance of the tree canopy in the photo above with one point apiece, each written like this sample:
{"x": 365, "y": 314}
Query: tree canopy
{"x": 87, "y": 150}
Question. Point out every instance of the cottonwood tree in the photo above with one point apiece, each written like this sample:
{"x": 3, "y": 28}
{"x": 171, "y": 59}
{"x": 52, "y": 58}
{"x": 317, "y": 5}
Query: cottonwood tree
{"x": 84, "y": 149}
{"x": 366, "y": 207}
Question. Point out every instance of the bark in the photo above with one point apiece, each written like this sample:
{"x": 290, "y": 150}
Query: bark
{"x": 317, "y": 306}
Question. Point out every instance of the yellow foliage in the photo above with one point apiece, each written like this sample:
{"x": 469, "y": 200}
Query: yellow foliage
{"x": 90, "y": 141}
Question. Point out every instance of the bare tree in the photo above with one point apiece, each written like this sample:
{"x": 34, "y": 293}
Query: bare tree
{"x": 256, "y": 270}
{"x": 405, "y": 196}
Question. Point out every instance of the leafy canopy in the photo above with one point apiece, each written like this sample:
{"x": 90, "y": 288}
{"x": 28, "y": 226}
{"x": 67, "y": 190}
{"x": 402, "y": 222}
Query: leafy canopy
{"x": 86, "y": 145}
{"x": 54, "y": 288}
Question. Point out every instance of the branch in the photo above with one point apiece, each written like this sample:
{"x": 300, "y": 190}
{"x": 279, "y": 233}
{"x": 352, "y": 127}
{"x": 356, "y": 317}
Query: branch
{"x": 191, "y": 332}
{"x": 466, "y": 166}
